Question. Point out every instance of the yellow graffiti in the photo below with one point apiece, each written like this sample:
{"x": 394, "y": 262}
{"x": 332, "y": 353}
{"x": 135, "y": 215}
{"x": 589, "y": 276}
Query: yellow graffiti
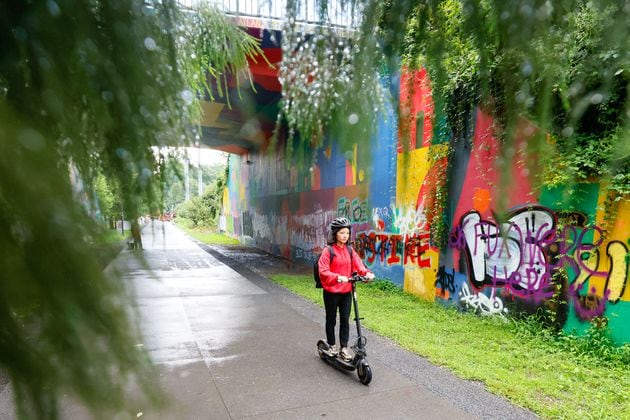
{"x": 412, "y": 169}
{"x": 611, "y": 274}
{"x": 616, "y": 265}
{"x": 227, "y": 205}
{"x": 618, "y": 273}
{"x": 421, "y": 281}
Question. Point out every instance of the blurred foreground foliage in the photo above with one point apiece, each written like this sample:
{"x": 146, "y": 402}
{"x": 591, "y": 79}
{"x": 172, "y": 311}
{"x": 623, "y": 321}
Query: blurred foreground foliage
{"x": 89, "y": 92}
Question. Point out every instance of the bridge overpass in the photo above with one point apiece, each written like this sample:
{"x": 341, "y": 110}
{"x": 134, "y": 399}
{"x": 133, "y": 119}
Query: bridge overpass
{"x": 247, "y": 122}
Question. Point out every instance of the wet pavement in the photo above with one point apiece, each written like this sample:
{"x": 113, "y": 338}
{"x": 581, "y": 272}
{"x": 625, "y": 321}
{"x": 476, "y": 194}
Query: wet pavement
{"x": 231, "y": 344}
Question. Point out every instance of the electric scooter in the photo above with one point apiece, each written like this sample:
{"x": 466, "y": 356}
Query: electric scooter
{"x": 359, "y": 361}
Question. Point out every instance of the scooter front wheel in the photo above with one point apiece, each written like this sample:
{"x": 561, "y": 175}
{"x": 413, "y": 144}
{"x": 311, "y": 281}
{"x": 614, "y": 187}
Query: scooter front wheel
{"x": 364, "y": 371}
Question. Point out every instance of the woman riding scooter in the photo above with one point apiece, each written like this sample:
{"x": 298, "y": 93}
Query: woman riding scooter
{"x": 335, "y": 282}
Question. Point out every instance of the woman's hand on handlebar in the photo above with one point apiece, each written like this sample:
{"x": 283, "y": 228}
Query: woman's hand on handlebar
{"x": 342, "y": 279}
{"x": 357, "y": 277}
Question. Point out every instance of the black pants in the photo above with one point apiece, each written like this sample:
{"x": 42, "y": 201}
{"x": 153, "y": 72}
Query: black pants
{"x": 332, "y": 301}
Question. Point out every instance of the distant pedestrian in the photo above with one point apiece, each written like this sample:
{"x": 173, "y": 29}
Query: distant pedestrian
{"x": 337, "y": 289}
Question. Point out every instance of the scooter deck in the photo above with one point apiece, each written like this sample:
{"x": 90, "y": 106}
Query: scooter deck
{"x": 340, "y": 363}
{"x": 335, "y": 360}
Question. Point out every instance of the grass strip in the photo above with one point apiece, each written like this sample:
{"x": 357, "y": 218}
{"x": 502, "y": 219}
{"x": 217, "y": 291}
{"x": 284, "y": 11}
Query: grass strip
{"x": 513, "y": 359}
{"x": 206, "y": 235}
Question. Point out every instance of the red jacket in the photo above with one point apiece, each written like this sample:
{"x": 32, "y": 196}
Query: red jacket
{"x": 342, "y": 265}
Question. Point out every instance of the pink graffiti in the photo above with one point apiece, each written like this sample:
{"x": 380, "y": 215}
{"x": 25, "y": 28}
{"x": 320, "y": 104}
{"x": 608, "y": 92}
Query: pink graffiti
{"x": 589, "y": 306}
{"x": 571, "y": 247}
{"x": 522, "y": 253}
{"x": 510, "y": 255}
{"x": 574, "y": 252}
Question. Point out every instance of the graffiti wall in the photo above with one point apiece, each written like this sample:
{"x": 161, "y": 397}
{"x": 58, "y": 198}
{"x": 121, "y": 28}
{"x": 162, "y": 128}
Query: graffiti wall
{"x": 507, "y": 248}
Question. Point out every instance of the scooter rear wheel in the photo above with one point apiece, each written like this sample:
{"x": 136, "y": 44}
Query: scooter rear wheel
{"x": 364, "y": 371}
{"x": 321, "y": 350}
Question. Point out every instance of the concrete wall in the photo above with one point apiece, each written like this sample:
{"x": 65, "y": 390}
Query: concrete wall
{"x": 489, "y": 267}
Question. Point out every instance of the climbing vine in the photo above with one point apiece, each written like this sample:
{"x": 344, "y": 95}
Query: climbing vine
{"x": 437, "y": 194}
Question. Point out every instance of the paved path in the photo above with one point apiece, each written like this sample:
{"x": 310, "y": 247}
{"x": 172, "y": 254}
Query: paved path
{"x": 230, "y": 344}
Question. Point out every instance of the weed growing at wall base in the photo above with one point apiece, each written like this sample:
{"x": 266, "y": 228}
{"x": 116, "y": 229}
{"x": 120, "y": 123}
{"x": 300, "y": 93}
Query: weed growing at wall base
{"x": 596, "y": 344}
{"x": 555, "y": 378}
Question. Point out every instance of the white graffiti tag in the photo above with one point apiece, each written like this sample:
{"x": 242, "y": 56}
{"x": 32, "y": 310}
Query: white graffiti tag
{"x": 409, "y": 221}
{"x": 512, "y": 254}
{"x": 480, "y": 303}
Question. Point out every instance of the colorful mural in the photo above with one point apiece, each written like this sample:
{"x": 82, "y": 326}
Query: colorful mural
{"x": 543, "y": 248}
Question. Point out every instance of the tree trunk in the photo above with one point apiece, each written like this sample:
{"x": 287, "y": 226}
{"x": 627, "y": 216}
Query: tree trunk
{"x": 135, "y": 234}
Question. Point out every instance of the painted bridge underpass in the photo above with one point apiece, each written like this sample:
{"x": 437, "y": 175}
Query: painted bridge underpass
{"x": 414, "y": 181}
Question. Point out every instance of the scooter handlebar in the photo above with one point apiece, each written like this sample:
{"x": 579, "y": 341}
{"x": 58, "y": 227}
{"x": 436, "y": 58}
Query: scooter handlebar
{"x": 356, "y": 277}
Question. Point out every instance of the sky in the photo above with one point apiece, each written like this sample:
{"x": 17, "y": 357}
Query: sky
{"x": 207, "y": 156}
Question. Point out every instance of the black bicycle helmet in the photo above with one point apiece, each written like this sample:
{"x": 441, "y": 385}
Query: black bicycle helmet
{"x": 340, "y": 223}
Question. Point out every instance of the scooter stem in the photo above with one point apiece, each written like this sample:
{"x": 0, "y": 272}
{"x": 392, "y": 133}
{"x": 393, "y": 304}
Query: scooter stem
{"x": 356, "y": 309}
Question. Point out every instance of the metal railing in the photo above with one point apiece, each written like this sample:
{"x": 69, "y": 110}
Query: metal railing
{"x": 272, "y": 11}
